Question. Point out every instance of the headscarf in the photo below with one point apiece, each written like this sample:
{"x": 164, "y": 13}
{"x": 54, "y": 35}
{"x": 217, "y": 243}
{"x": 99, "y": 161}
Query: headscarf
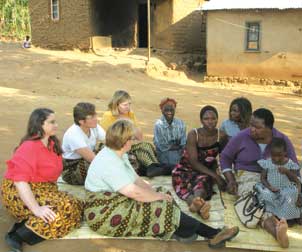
{"x": 166, "y": 101}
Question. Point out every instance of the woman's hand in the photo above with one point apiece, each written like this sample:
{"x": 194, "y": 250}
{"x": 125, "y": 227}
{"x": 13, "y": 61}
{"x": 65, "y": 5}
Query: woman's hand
{"x": 274, "y": 189}
{"x": 165, "y": 196}
{"x": 232, "y": 187}
{"x": 221, "y": 183}
{"x": 27, "y": 196}
{"x": 45, "y": 213}
{"x": 142, "y": 192}
{"x": 283, "y": 170}
{"x": 299, "y": 201}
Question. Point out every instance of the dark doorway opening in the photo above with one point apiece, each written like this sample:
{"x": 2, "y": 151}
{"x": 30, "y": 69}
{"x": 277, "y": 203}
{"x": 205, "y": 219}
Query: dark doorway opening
{"x": 115, "y": 19}
{"x": 142, "y": 25}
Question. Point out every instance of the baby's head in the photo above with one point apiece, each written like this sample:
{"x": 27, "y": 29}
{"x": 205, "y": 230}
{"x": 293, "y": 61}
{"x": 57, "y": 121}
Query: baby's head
{"x": 278, "y": 151}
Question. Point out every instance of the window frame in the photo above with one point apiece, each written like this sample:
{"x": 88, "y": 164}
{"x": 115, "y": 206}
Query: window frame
{"x": 52, "y": 10}
{"x": 247, "y": 36}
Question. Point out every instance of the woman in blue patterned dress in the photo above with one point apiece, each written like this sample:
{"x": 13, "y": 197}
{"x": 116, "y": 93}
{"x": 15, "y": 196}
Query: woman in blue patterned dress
{"x": 280, "y": 190}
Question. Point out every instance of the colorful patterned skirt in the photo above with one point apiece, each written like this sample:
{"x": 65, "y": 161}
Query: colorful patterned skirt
{"x": 67, "y": 208}
{"x": 114, "y": 215}
{"x": 75, "y": 170}
{"x": 187, "y": 182}
{"x": 145, "y": 153}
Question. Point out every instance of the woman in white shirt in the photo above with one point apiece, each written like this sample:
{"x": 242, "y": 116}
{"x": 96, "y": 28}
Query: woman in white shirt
{"x": 80, "y": 143}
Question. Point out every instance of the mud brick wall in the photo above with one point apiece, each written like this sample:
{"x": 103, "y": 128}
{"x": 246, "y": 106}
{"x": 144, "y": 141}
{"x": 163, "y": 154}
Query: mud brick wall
{"x": 280, "y": 54}
{"x": 72, "y": 30}
{"x": 176, "y": 25}
{"x": 186, "y": 30}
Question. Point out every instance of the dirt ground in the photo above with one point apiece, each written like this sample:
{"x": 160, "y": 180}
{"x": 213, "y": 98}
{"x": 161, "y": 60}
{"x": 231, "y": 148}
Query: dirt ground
{"x": 40, "y": 78}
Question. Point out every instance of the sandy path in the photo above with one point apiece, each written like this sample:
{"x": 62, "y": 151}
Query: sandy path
{"x": 40, "y": 78}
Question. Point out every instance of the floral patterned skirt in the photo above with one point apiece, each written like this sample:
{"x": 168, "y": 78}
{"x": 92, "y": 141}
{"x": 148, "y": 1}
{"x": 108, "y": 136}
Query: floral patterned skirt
{"x": 67, "y": 208}
{"x": 186, "y": 182}
{"x": 114, "y": 215}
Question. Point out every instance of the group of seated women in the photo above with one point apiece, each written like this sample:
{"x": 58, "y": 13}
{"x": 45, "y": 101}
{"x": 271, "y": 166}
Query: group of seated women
{"x": 108, "y": 159}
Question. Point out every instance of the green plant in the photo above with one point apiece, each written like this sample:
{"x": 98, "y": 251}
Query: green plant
{"x": 14, "y": 19}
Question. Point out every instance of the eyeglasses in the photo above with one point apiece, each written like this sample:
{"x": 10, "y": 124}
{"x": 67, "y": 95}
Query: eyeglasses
{"x": 133, "y": 138}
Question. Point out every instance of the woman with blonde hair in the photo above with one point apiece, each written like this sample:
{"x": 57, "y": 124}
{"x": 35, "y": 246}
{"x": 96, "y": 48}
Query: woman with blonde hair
{"x": 142, "y": 153}
{"x": 121, "y": 204}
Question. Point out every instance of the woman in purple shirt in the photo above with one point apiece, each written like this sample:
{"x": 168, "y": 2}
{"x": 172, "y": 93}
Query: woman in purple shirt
{"x": 250, "y": 145}
{"x": 242, "y": 153}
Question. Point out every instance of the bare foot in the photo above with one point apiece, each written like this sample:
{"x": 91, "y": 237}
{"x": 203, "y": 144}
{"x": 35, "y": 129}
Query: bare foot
{"x": 196, "y": 205}
{"x": 281, "y": 231}
{"x": 205, "y": 210}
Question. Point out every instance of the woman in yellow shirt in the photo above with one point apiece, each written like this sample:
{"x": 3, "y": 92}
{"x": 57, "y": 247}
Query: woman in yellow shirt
{"x": 144, "y": 152}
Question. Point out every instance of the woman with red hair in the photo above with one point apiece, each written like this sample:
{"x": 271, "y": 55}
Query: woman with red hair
{"x": 169, "y": 135}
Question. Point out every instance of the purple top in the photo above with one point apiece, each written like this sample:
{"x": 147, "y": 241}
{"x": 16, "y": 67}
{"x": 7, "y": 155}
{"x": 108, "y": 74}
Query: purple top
{"x": 243, "y": 152}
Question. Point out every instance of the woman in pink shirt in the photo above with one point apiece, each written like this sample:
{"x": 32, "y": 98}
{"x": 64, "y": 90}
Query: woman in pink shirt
{"x": 29, "y": 188}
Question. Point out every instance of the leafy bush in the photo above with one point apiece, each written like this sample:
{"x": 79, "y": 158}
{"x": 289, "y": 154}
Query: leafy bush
{"x": 14, "y": 19}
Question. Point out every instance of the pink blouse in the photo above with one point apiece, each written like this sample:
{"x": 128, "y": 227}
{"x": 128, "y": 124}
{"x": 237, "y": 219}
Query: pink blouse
{"x": 34, "y": 162}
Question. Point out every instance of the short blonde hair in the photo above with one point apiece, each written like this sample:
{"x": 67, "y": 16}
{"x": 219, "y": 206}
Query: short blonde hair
{"x": 119, "y": 133}
{"x": 119, "y": 97}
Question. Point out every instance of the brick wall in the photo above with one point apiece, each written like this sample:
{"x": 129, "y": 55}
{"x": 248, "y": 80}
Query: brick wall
{"x": 186, "y": 30}
{"x": 72, "y": 30}
{"x": 162, "y": 20}
{"x": 176, "y": 25}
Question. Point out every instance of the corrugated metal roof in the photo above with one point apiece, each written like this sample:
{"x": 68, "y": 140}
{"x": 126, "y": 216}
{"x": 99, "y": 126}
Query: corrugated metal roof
{"x": 250, "y": 4}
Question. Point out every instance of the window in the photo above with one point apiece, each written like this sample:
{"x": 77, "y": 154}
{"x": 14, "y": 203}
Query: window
{"x": 253, "y": 36}
{"x": 55, "y": 9}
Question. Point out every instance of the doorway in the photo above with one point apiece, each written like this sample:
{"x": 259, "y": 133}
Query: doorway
{"x": 115, "y": 19}
{"x": 142, "y": 25}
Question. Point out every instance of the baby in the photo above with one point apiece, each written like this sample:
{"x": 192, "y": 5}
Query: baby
{"x": 279, "y": 177}
{"x": 280, "y": 189}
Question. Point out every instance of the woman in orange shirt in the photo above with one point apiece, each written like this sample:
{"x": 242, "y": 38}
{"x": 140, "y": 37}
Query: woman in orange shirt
{"x": 142, "y": 154}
